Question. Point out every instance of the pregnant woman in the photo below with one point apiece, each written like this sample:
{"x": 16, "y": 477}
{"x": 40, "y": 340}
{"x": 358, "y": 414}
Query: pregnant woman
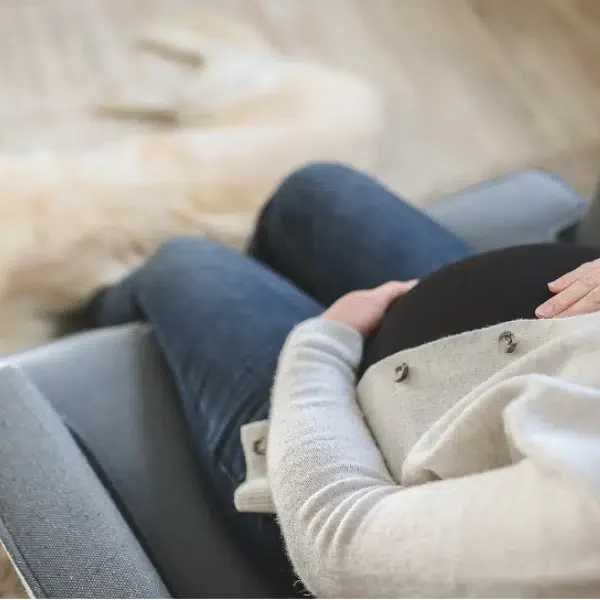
{"x": 435, "y": 434}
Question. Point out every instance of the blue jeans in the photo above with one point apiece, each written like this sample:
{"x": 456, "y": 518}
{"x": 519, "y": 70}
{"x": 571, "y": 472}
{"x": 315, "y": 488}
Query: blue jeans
{"x": 221, "y": 317}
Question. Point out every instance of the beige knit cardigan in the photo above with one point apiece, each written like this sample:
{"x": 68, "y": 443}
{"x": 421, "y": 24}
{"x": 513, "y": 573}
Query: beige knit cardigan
{"x": 456, "y": 469}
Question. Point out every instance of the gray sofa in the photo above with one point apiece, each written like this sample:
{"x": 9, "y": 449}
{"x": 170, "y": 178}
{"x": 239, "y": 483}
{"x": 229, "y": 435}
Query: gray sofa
{"x": 100, "y": 494}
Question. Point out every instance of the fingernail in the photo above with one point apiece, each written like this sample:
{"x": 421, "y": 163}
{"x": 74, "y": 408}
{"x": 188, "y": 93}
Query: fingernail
{"x": 543, "y": 312}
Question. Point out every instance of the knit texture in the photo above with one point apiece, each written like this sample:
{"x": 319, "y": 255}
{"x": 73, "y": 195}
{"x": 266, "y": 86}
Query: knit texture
{"x": 485, "y": 477}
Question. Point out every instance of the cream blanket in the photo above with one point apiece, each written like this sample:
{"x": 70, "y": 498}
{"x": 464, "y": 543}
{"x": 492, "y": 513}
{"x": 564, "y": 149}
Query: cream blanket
{"x": 237, "y": 118}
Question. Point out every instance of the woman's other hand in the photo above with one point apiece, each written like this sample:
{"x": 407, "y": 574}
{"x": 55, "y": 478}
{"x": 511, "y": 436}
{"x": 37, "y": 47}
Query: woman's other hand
{"x": 576, "y": 293}
{"x": 362, "y": 310}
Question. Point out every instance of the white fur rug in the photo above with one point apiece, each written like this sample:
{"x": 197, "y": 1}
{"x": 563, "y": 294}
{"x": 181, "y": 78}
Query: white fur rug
{"x": 235, "y": 117}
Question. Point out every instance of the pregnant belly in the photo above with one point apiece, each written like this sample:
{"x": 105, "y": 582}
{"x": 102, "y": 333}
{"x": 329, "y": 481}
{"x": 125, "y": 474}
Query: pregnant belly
{"x": 483, "y": 290}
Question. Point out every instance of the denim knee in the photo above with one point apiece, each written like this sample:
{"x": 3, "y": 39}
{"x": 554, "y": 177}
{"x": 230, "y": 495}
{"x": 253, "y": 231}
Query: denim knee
{"x": 187, "y": 254}
{"x": 318, "y": 173}
{"x": 313, "y": 188}
{"x": 180, "y": 248}
{"x": 316, "y": 193}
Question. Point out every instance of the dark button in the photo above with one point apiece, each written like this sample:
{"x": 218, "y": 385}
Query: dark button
{"x": 260, "y": 446}
{"x": 509, "y": 341}
{"x": 401, "y": 372}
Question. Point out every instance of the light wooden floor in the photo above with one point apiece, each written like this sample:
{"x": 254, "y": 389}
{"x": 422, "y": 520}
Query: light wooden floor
{"x": 474, "y": 88}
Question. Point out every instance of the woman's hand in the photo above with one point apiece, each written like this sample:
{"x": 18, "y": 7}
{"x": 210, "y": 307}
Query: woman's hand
{"x": 362, "y": 310}
{"x": 577, "y": 293}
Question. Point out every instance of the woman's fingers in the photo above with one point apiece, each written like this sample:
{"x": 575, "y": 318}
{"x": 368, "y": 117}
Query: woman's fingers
{"x": 577, "y": 292}
{"x": 384, "y": 295}
{"x": 558, "y": 285}
{"x": 562, "y": 301}
{"x": 588, "y": 304}
{"x": 363, "y": 309}
{"x": 391, "y": 290}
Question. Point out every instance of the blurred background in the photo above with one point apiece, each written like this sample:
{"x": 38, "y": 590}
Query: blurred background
{"x": 474, "y": 88}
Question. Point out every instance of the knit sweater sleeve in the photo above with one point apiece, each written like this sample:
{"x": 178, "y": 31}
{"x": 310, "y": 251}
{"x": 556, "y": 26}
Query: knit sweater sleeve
{"x": 351, "y": 531}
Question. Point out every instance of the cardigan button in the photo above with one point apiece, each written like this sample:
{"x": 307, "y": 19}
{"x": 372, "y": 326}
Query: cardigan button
{"x": 401, "y": 372}
{"x": 260, "y": 446}
{"x": 509, "y": 341}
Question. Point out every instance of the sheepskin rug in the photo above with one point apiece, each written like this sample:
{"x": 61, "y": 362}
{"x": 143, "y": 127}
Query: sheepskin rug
{"x": 240, "y": 118}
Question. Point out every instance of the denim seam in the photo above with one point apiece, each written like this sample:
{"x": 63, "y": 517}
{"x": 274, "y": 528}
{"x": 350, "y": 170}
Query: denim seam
{"x": 249, "y": 370}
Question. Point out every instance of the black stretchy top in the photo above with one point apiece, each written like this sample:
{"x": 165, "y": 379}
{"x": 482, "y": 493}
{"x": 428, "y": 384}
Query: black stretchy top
{"x": 483, "y": 290}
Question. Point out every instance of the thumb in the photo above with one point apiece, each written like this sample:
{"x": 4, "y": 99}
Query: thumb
{"x": 391, "y": 290}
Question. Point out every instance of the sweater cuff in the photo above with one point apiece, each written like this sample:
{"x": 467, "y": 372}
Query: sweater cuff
{"x": 333, "y": 336}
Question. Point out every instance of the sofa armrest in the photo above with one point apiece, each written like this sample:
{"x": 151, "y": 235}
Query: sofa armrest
{"x": 525, "y": 207}
{"x": 57, "y": 521}
{"x": 588, "y": 232}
